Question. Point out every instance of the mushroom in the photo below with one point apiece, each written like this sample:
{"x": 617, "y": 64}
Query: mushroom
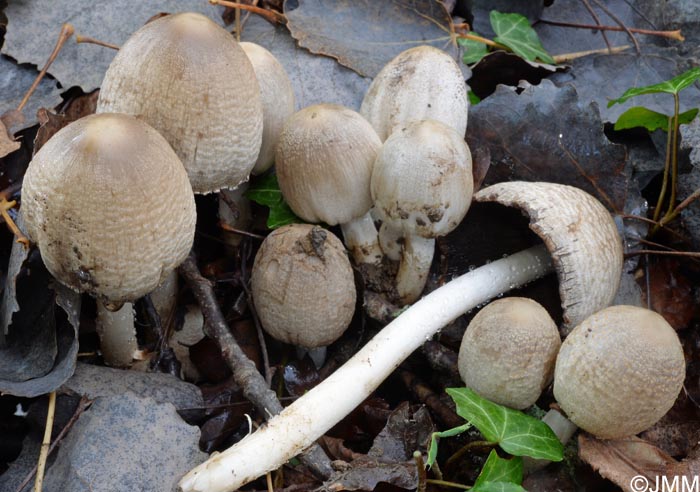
{"x": 110, "y": 207}
{"x": 418, "y": 84}
{"x": 421, "y": 187}
{"x": 619, "y": 371}
{"x": 508, "y": 352}
{"x": 189, "y": 79}
{"x": 303, "y": 286}
{"x": 566, "y": 211}
{"x": 324, "y": 162}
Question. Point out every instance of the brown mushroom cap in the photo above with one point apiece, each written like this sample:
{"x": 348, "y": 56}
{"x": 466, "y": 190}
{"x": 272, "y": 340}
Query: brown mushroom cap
{"x": 419, "y": 83}
{"x": 580, "y": 235}
{"x": 324, "y": 162}
{"x": 619, "y": 371}
{"x": 188, "y": 78}
{"x": 110, "y": 206}
{"x": 508, "y": 352}
{"x": 277, "y": 97}
{"x": 303, "y": 286}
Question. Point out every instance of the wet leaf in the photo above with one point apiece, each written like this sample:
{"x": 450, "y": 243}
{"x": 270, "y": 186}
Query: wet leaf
{"x": 497, "y": 469}
{"x": 7, "y": 143}
{"x": 266, "y": 191}
{"x": 639, "y": 116}
{"x": 388, "y": 28}
{"x": 515, "y": 432}
{"x": 497, "y": 487}
{"x": 672, "y": 86}
{"x": 473, "y": 50}
{"x": 514, "y": 31}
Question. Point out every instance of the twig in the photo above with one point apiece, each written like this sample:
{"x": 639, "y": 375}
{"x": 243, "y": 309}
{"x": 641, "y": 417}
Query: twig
{"x": 89, "y": 40}
{"x": 619, "y": 22}
{"x": 597, "y": 21}
{"x": 245, "y": 374}
{"x": 485, "y": 41}
{"x": 565, "y": 57}
{"x": 271, "y": 15}
{"x": 443, "y": 483}
{"x": 83, "y": 404}
{"x": 684, "y": 204}
{"x": 45, "y": 444}
{"x": 228, "y": 228}
{"x": 431, "y": 400}
{"x": 420, "y": 469}
{"x": 688, "y": 254}
{"x": 675, "y": 35}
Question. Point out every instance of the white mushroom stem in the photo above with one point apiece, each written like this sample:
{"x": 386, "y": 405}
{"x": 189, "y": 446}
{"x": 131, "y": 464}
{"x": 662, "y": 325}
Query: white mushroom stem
{"x": 362, "y": 239}
{"x": 416, "y": 257}
{"x": 562, "y": 427}
{"x": 390, "y": 241}
{"x": 309, "y": 417}
{"x": 117, "y": 334}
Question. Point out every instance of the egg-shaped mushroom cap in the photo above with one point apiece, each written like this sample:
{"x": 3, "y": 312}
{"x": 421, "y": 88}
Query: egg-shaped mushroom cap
{"x": 324, "y": 162}
{"x": 619, "y": 371}
{"x": 508, "y": 352}
{"x": 277, "y": 97}
{"x": 418, "y": 84}
{"x": 580, "y": 235}
{"x": 189, "y": 79}
{"x": 110, "y": 207}
{"x": 303, "y": 286}
{"x": 422, "y": 180}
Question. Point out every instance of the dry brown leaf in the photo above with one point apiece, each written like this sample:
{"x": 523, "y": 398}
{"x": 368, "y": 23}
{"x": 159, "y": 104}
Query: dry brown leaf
{"x": 7, "y": 144}
{"x": 50, "y": 122}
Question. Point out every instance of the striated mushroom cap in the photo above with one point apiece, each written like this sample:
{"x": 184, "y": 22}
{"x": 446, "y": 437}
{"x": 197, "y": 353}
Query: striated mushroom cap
{"x": 619, "y": 371}
{"x": 189, "y": 79}
{"x": 303, "y": 286}
{"x": 580, "y": 235}
{"x": 419, "y": 83}
{"x": 277, "y": 97}
{"x": 324, "y": 163}
{"x": 508, "y": 352}
{"x": 422, "y": 180}
{"x": 110, "y": 207}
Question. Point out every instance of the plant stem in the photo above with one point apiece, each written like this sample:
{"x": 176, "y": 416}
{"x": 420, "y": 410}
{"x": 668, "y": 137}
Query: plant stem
{"x": 486, "y": 41}
{"x": 676, "y": 35}
{"x": 664, "y": 184}
{"x": 45, "y": 444}
{"x": 674, "y": 154}
{"x": 89, "y": 40}
{"x": 684, "y": 204}
{"x": 445, "y": 483}
{"x": 270, "y": 15}
{"x": 465, "y": 449}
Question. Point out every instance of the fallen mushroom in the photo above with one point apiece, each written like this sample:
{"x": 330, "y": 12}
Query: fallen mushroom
{"x": 303, "y": 286}
{"x": 422, "y": 188}
{"x": 190, "y": 80}
{"x": 508, "y": 352}
{"x": 310, "y": 416}
{"x": 110, "y": 207}
{"x": 324, "y": 162}
{"x": 418, "y": 84}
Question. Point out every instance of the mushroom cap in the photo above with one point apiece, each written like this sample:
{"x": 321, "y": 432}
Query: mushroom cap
{"x": 619, "y": 371}
{"x": 277, "y": 97}
{"x": 508, "y": 352}
{"x": 188, "y": 78}
{"x": 422, "y": 180}
{"x": 580, "y": 235}
{"x": 303, "y": 286}
{"x": 419, "y": 83}
{"x": 110, "y": 206}
{"x": 324, "y": 162}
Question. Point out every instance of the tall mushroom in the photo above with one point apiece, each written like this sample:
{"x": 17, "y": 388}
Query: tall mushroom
{"x": 110, "y": 207}
{"x": 577, "y": 215}
{"x": 418, "y": 84}
{"x": 189, "y": 79}
{"x": 422, "y": 188}
{"x": 324, "y": 163}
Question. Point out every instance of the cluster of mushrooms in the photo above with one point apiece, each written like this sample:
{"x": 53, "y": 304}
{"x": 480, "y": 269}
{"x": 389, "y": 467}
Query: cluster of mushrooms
{"x": 185, "y": 109}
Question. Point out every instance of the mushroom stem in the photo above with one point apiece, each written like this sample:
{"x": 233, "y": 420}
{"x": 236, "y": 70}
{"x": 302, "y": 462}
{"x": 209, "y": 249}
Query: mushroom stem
{"x": 309, "y": 417}
{"x": 416, "y": 257}
{"x": 117, "y": 334}
{"x": 390, "y": 239}
{"x": 362, "y": 239}
{"x": 562, "y": 427}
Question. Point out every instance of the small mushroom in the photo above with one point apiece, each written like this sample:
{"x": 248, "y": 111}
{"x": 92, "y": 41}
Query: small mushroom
{"x": 324, "y": 162}
{"x": 418, "y": 84}
{"x": 189, "y": 79}
{"x": 619, "y": 371}
{"x": 110, "y": 207}
{"x": 508, "y": 352}
{"x": 303, "y": 286}
{"x": 422, "y": 187}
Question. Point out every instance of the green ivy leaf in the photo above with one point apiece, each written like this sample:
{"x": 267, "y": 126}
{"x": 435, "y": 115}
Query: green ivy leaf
{"x": 514, "y": 31}
{"x": 497, "y": 469}
{"x": 639, "y": 116}
{"x": 673, "y": 86}
{"x": 266, "y": 191}
{"x": 473, "y": 98}
{"x": 473, "y": 50}
{"x": 435, "y": 437}
{"x": 497, "y": 487}
{"x": 517, "y": 433}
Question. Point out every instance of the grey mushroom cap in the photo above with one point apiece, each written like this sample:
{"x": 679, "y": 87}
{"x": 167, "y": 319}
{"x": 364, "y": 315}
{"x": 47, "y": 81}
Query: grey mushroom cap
{"x": 508, "y": 352}
{"x": 303, "y": 286}
{"x": 580, "y": 235}
{"x": 189, "y": 79}
{"x": 110, "y": 207}
{"x": 619, "y": 371}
